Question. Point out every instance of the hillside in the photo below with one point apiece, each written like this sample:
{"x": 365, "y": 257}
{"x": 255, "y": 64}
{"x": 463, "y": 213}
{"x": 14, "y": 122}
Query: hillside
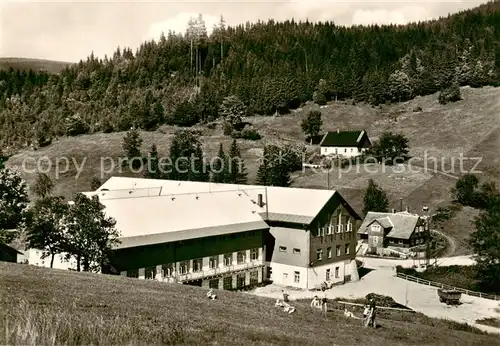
{"x": 63, "y": 307}
{"x": 266, "y": 65}
{"x": 442, "y": 132}
{"x": 27, "y": 64}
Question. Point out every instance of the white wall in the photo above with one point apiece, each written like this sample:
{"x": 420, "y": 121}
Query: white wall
{"x": 34, "y": 257}
{"x": 278, "y": 277}
{"x": 317, "y": 275}
{"x": 351, "y": 151}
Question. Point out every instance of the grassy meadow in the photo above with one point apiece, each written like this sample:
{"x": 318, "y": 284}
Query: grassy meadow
{"x": 52, "y": 307}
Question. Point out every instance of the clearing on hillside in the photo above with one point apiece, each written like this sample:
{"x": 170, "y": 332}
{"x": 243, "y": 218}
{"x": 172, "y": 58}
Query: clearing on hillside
{"x": 54, "y": 306}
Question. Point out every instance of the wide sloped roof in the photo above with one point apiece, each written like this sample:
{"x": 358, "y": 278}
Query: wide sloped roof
{"x": 401, "y": 224}
{"x": 146, "y": 220}
{"x": 342, "y": 139}
{"x": 280, "y": 203}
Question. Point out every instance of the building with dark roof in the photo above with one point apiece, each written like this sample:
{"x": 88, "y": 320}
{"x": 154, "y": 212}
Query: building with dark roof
{"x": 345, "y": 143}
{"x": 398, "y": 231}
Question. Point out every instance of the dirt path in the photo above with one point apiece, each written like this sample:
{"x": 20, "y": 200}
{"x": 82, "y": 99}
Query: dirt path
{"x": 450, "y": 251}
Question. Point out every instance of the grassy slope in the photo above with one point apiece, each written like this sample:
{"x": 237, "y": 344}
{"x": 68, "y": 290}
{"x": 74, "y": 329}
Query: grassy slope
{"x": 33, "y": 64}
{"x": 82, "y": 308}
{"x": 470, "y": 126}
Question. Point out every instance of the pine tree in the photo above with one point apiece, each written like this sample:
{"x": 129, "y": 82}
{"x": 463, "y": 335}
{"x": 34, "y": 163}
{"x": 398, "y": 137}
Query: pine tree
{"x": 43, "y": 186}
{"x": 237, "y": 173}
{"x": 375, "y": 199}
{"x": 132, "y": 146}
{"x": 154, "y": 169}
{"x": 219, "y": 167}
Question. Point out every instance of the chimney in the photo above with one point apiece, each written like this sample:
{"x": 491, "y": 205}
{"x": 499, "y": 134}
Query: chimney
{"x": 394, "y": 211}
{"x": 338, "y": 130}
{"x": 259, "y": 200}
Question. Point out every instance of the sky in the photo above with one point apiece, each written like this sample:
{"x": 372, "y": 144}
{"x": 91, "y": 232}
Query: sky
{"x": 71, "y": 30}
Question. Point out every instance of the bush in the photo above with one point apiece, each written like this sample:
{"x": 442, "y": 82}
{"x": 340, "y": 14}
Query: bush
{"x": 212, "y": 126}
{"x": 319, "y": 98}
{"x": 450, "y": 94}
{"x": 227, "y": 129}
{"x": 249, "y": 132}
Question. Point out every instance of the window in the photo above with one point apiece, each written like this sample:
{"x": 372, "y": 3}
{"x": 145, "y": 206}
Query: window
{"x": 282, "y": 248}
{"x": 254, "y": 254}
{"x": 338, "y": 250}
{"x": 228, "y": 258}
{"x": 197, "y": 264}
{"x": 341, "y": 228}
{"x": 168, "y": 270}
{"x": 241, "y": 257}
{"x": 347, "y": 249}
{"x": 375, "y": 228}
{"x": 337, "y": 272}
{"x": 321, "y": 231}
{"x": 352, "y": 150}
{"x": 329, "y": 229}
{"x": 349, "y": 224}
{"x": 296, "y": 277}
{"x": 400, "y": 242}
{"x": 319, "y": 254}
{"x": 183, "y": 267}
{"x": 227, "y": 283}
{"x": 254, "y": 277}
{"x": 213, "y": 262}
{"x": 296, "y": 251}
{"x": 327, "y": 275}
{"x": 213, "y": 283}
{"x": 329, "y": 252}
{"x": 345, "y": 150}
{"x": 240, "y": 280}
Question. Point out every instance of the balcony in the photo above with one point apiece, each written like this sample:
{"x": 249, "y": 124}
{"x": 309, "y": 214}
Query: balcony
{"x": 211, "y": 272}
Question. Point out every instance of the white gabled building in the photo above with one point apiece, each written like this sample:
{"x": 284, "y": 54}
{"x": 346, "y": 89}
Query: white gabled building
{"x": 345, "y": 143}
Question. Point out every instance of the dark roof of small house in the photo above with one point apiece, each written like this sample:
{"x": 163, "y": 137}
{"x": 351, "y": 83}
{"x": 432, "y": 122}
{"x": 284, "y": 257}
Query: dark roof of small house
{"x": 342, "y": 139}
{"x": 401, "y": 224}
{"x": 8, "y": 253}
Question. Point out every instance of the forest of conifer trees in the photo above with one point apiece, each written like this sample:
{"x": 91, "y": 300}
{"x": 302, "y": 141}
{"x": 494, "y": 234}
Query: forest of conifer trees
{"x": 182, "y": 79}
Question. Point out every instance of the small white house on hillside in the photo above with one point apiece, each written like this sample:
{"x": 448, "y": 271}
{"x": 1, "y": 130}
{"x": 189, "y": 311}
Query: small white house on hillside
{"x": 345, "y": 143}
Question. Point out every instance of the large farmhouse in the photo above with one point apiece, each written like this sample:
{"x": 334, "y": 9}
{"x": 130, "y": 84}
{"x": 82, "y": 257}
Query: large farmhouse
{"x": 230, "y": 236}
{"x": 399, "y": 231}
{"x": 345, "y": 143}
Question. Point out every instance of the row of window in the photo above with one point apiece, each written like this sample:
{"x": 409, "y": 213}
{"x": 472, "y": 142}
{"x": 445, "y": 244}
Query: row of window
{"x": 338, "y": 252}
{"x": 184, "y": 266}
{"x": 296, "y": 275}
{"x": 227, "y": 282}
{"x": 214, "y": 239}
{"x": 330, "y": 229}
{"x": 345, "y": 150}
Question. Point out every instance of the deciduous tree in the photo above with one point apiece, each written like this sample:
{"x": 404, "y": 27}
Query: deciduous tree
{"x": 13, "y": 203}
{"x": 44, "y": 226}
{"x": 312, "y": 123}
{"x": 375, "y": 199}
{"x": 90, "y": 235}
